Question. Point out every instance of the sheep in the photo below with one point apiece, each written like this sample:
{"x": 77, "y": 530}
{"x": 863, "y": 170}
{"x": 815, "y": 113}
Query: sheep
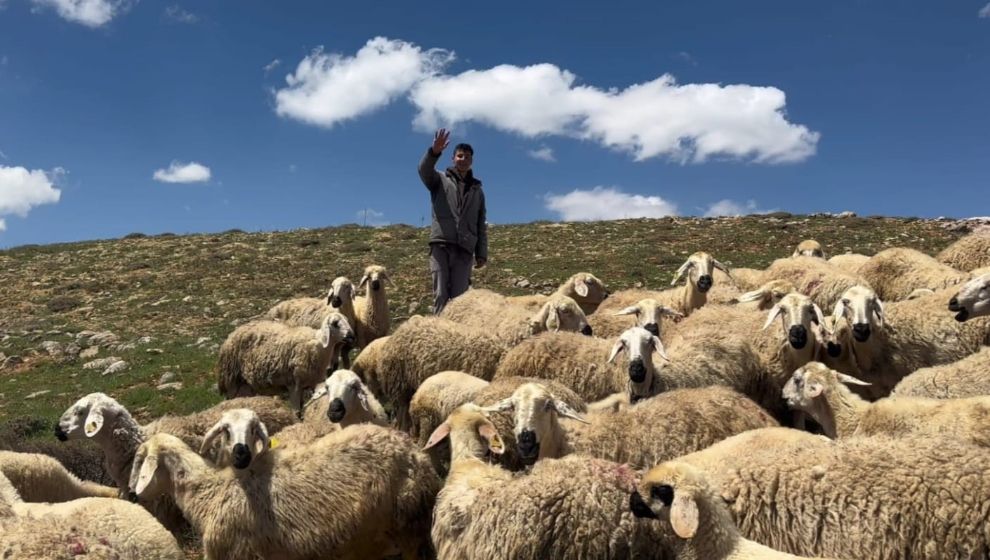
{"x": 310, "y": 312}
{"x": 764, "y": 297}
{"x": 697, "y": 271}
{"x": 360, "y": 492}
{"x": 964, "y": 378}
{"x": 895, "y": 273}
{"x": 437, "y": 396}
{"x": 973, "y": 299}
{"x": 95, "y": 527}
{"x": 565, "y": 508}
{"x": 814, "y": 277}
{"x": 368, "y": 361}
{"x": 724, "y": 455}
{"x": 744, "y": 278}
{"x": 584, "y": 288}
{"x": 848, "y": 262}
{"x": 967, "y": 253}
{"x": 349, "y": 401}
{"x": 821, "y": 392}
{"x": 587, "y": 365}
{"x": 897, "y": 499}
{"x": 653, "y": 430}
{"x": 266, "y": 357}
{"x": 485, "y": 309}
{"x": 647, "y": 313}
{"x": 809, "y": 248}
{"x": 40, "y": 478}
{"x": 679, "y": 494}
{"x": 371, "y": 310}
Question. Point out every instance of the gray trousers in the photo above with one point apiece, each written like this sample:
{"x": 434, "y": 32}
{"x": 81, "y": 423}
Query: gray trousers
{"x": 450, "y": 267}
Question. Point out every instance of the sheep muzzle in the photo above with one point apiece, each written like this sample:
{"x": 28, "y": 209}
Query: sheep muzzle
{"x": 861, "y": 332}
{"x": 528, "y": 446}
{"x": 241, "y": 456}
{"x": 639, "y": 508}
{"x": 797, "y": 336}
{"x": 704, "y": 283}
{"x": 336, "y": 411}
{"x": 60, "y": 433}
{"x": 637, "y": 371}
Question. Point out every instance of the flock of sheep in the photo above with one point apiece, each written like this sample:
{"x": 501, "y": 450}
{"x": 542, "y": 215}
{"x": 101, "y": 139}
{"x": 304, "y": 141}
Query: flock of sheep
{"x": 820, "y": 408}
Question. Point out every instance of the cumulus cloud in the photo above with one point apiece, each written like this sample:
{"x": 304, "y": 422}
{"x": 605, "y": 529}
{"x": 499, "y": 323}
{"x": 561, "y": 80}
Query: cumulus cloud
{"x": 91, "y": 13}
{"x": 179, "y": 172}
{"x": 371, "y": 217}
{"x": 21, "y": 190}
{"x": 543, "y": 153}
{"x": 175, "y": 13}
{"x": 726, "y": 207}
{"x": 326, "y": 89}
{"x": 607, "y": 203}
{"x": 985, "y": 11}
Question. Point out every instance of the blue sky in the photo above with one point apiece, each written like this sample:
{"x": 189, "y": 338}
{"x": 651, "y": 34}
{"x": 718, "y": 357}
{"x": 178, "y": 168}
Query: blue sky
{"x": 141, "y": 116}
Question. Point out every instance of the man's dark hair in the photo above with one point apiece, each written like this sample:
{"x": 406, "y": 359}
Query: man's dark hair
{"x": 464, "y": 148}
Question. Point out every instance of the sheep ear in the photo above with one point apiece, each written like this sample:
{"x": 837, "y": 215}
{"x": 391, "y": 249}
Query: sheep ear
{"x": 263, "y": 441}
{"x": 566, "y": 411}
{"x": 94, "y": 421}
{"x": 210, "y": 438}
{"x": 615, "y": 351}
{"x": 878, "y": 311}
{"x": 442, "y": 431}
{"x": 538, "y": 322}
{"x": 495, "y": 445}
{"x": 659, "y": 349}
{"x": 364, "y": 280}
{"x": 581, "y": 287}
{"x": 324, "y": 335}
{"x": 670, "y": 312}
{"x": 774, "y": 312}
{"x": 362, "y": 395}
{"x": 682, "y": 271}
{"x": 818, "y": 314}
{"x": 755, "y": 295}
{"x": 684, "y": 516}
{"x": 722, "y": 267}
{"x": 839, "y": 311}
{"x": 503, "y": 405}
{"x": 146, "y": 474}
{"x": 385, "y": 277}
{"x": 631, "y": 310}
{"x": 553, "y": 321}
{"x": 814, "y": 390}
{"x": 851, "y": 380}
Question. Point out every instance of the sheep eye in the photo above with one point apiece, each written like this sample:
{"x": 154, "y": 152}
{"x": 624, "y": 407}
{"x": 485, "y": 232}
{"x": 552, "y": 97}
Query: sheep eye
{"x": 664, "y": 493}
{"x": 845, "y": 301}
{"x": 335, "y": 324}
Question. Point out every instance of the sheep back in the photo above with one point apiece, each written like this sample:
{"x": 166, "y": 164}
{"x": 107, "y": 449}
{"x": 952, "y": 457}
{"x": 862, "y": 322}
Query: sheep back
{"x": 897, "y": 272}
{"x": 968, "y": 253}
{"x": 964, "y": 378}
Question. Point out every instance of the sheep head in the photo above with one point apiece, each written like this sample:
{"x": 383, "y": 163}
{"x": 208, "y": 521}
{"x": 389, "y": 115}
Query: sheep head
{"x": 808, "y": 389}
{"x": 235, "y": 439}
{"x": 698, "y": 269}
{"x": 809, "y": 248}
{"x": 862, "y": 310}
{"x": 472, "y": 434}
{"x": 154, "y": 463}
{"x": 376, "y": 275}
{"x": 768, "y": 294}
{"x": 648, "y": 313}
{"x": 973, "y": 299}
{"x": 88, "y": 416}
{"x": 672, "y": 492}
{"x": 341, "y": 291}
{"x": 587, "y": 289}
{"x": 798, "y": 313}
{"x": 560, "y": 313}
{"x": 534, "y": 411}
{"x": 639, "y": 344}
{"x": 335, "y": 329}
{"x": 346, "y": 394}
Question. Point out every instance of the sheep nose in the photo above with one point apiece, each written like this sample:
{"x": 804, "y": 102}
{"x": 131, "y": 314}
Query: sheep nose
{"x": 607, "y": 293}
{"x": 376, "y": 284}
{"x": 242, "y": 456}
{"x": 349, "y": 338}
{"x": 132, "y": 497}
{"x": 639, "y": 507}
{"x": 336, "y": 411}
{"x": 637, "y": 371}
{"x": 60, "y": 434}
{"x": 586, "y": 330}
{"x": 704, "y": 283}
{"x": 653, "y": 328}
{"x": 954, "y": 304}
{"x": 833, "y": 349}
{"x": 798, "y": 336}
{"x": 336, "y": 301}
{"x": 861, "y": 332}
{"x": 962, "y": 315}
{"x": 529, "y": 447}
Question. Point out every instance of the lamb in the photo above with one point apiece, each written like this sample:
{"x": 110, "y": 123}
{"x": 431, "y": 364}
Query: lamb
{"x": 964, "y": 378}
{"x": 809, "y": 248}
{"x": 895, "y": 273}
{"x": 677, "y": 493}
{"x": 584, "y": 288}
{"x": 564, "y": 508}
{"x": 849, "y": 262}
{"x": 814, "y": 278}
{"x": 820, "y": 392}
{"x": 40, "y": 478}
{"x": 266, "y": 357}
{"x": 973, "y": 299}
{"x": 371, "y": 310}
{"x": 362, "y": 492}
{"x": 968, "y": 253}
{"x": 646, "y": 313}
{"x": 310, "y": 312}
{"x": 653, "y": 430}
{"x": 487, "y": 310}
{"x": 95, "y": 527}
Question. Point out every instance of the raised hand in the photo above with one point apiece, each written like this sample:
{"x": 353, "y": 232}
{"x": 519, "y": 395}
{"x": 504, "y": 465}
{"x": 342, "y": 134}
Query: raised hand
{"x": 440, "y": 141}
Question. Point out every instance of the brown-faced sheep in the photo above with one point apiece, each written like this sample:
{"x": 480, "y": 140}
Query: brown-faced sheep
{"x": 896, "y": 273}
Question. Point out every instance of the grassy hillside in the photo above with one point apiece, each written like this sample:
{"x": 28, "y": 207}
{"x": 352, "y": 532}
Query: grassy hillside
{"x": 169, "y": 301}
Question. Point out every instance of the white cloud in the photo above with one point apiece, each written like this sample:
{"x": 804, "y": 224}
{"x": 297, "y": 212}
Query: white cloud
{"x": 3, "y": 223}
{"x": 179, "y": 172}
{"x": 330, "y": 88}
{"x": 21, "y": 190}
{"x": 985, "y": 11}
{"x": 3, "y": 155}
{"x": 272, "y": 65}
{"x": 175, "y": 12}
{"x": 543, "y": 153}
{"x": 371, "y": 217}
{"x": 686, "y": 57}
{"x": 607, "y": 203}
{"x": 91, "y": 13}
{"x": 726, "y": 207}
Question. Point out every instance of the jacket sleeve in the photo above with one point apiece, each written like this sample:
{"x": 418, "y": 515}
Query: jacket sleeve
{"x": 481, "y": 249}
{"x": 427, "y": 172}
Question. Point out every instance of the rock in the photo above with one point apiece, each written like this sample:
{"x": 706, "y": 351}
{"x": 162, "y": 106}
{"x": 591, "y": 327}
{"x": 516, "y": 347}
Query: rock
{"x": 101, "y": 363}
{"x": 105, "y": 339}
{"x": 846, "y": 214}
{"x": 174, "y": 386}
{"x": 115, "y": 367}
{"x": 90, "y": 352}
{"x": 155, "y": 351}
{"x": 144, "y": 340}
{"x": 37, "y": 394}
{"x": 201, "y": 340}
{"x": 524, "y": 283}
{"x": 52, "y": 348}
{"x": 412, "y": 307}
{"x": 11, "y": 361}
{"x": 166, "y": 377}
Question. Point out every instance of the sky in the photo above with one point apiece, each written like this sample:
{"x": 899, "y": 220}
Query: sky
{"x": 122, "y": 116}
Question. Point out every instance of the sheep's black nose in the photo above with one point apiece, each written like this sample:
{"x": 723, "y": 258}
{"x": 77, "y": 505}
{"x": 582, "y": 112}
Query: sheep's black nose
{"x": 586, "y": 330}
{"x": 798, "y": 336}
{"x": 607, "y": 293}
{"x": 704, "y": 283}
{"x": 639, "y": 507}
{"x": 962, "y": 315}
{"x": 529, "y": 447}
{"x": 861, "y": 332}
{"x": 637, "y": 371}
{"x": 336, "y": 411}
{"x": 376, "y": 284}
{"x": 132, "y": 497}
{"x": 336, "y": 301}
{"x": 653, "y": 328}
{"x": 242, "y": 456}
{"x": 349, "y": 339}
{"x": 954, "y": 304}
{"x": 59, "y": 434}
{"x": 834, "y": 350}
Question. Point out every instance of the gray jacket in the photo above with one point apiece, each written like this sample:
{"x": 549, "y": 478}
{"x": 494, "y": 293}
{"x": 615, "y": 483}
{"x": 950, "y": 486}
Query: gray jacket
{"x": 457, "y": 219}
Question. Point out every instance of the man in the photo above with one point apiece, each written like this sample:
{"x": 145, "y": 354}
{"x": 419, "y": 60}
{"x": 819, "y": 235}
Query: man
{"x": 459, "y": 234}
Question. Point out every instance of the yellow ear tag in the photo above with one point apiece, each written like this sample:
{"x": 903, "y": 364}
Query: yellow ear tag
{"x": 496, "y": 444}
{"x": 272, "y": 443}
{"x": 91, "y": 427}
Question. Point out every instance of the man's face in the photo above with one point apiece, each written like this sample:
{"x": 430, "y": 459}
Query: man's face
{"x": 462, "y": 161}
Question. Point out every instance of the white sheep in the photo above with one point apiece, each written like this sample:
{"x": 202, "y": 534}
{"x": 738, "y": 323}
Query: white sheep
{"x": 40, "y": 478}
{"x": 437, "y": 396}
{"x": 679, "y": 494}
{"x": 647, "y": 313}
{"x": 267, "y": 357}
{"x": 964, "y": 378}
{"x": 371, "y": 310}
{"x": 968, "y": 253}
{"x": 809, "y": 248}
{"x": 895, "y": 273}
{"x": 849, "y": 262}
{"x": 584, "y": 288}
{"x": 485, "y": 309}
{"x": 311, "y": 312}
{"x": 349, "y": 401}
{"x": 814, "y": 278}
{"x": 973, "y": 299}
{"x": 361, "y": 492}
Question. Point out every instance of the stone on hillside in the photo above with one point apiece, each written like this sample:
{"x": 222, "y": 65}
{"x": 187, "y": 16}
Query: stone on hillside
{"x": 166, "y": 377}
{"x": 101, "y": 363}
{"x": 11, "y": 361}
{"x": 90, "y": 352}
{"x": 846, "y": 214}
{"x": 52, "y": 347}
{"x": 174, "y": 386}
{"x": 37, "y": 394}
{"x": 115, "y": 367}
